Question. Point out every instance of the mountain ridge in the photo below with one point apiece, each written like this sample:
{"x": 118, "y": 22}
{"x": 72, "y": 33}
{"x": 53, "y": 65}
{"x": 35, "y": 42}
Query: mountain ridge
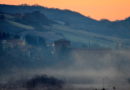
{"x": 26, "y": 5}
{"x": 67, "y": 24}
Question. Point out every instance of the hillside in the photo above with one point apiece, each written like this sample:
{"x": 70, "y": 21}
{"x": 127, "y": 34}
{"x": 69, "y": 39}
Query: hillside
{"x": 80, "y": 30}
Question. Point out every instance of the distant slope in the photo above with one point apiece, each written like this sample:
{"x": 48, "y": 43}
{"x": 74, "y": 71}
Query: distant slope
{"x": 33, "y": 24}
{"x": 77, "y": 21}
{"x": 53, "y": 24}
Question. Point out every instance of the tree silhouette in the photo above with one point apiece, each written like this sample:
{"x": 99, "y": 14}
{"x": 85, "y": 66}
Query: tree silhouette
{"x": 44, "y": 82}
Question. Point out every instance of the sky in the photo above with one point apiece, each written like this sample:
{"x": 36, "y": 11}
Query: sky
{"x": 97, "y": 9}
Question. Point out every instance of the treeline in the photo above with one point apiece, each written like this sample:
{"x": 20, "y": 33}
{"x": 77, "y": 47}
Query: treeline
{"x": 43, "y": 82}
{"x": 6, "y": 35}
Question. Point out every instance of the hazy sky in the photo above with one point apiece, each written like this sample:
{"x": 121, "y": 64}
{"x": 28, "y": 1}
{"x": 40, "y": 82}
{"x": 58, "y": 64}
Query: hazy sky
{"x": 98, "y": 9}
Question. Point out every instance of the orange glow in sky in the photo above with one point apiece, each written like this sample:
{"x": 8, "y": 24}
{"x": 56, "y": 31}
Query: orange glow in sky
{"x": 97, "y": 9}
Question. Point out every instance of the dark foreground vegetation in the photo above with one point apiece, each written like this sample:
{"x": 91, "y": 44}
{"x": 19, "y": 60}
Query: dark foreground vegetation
{"x": 36, "y": 83}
